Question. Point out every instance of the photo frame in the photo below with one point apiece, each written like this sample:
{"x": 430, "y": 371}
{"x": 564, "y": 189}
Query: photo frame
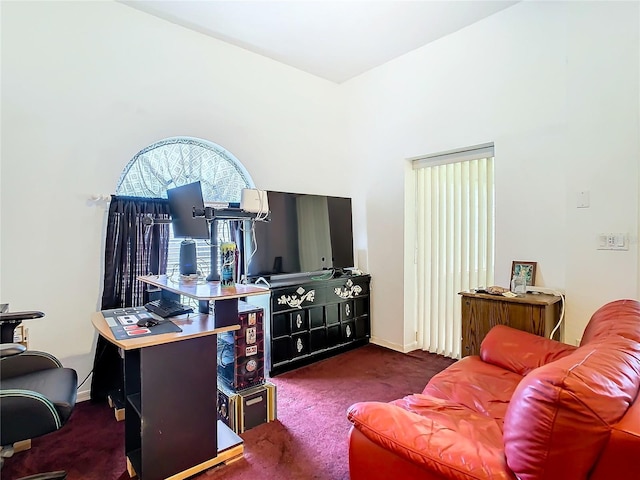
{"x": 530, "y": 270}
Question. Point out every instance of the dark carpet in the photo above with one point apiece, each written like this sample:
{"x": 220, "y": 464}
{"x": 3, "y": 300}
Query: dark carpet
{"x": 307, "y": 441}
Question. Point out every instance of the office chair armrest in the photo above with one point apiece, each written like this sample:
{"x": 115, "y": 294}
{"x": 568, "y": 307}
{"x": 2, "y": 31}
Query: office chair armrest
{"x": 11, "y": 349}
{"x": 9, "y": 321}
{"x": 28, "y": 362}
{"x": 19, "y": 316}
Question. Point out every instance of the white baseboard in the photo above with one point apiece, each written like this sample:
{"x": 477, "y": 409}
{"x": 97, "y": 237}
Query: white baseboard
{"x": 411, "y": 347}
{"x": 394, "y": 346}
{"x": 83, "y": 396}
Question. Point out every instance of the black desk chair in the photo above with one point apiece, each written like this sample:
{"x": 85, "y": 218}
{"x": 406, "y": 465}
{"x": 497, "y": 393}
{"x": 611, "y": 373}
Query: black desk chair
{"x": 37, "y": 394}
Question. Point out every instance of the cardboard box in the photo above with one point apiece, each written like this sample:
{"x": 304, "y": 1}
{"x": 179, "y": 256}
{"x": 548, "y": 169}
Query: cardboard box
{"x": 245, "y": 409}
{"x": 21, "y": 335}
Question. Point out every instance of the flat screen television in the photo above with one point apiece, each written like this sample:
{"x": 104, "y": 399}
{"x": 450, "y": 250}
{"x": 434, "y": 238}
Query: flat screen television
{"x": 307, "y": 233}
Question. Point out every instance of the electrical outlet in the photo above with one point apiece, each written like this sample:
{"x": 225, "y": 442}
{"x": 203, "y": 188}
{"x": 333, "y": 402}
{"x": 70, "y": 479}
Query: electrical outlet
{"x": 613, "y": 241}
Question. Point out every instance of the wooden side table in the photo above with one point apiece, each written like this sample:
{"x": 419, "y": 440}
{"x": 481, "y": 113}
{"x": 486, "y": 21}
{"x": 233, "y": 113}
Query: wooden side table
{"x": 533, "y": 313}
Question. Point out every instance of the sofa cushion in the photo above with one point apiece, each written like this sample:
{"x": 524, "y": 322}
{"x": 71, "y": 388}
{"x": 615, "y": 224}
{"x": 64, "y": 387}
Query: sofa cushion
{"x": 478, "y": 386}
{"x": 561, "y": 414}
{"x": 445, "y": 439}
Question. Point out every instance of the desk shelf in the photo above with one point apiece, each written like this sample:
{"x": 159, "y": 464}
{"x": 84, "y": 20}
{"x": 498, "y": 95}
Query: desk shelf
{"x": 136, "y": 403}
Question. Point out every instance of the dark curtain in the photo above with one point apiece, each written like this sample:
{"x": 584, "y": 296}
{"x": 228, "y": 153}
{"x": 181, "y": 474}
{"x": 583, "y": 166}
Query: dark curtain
{"x": 132, "y": 248}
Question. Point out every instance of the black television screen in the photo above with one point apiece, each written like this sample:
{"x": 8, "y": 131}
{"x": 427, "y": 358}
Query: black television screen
{"x": 181, "y": 202}
{"x": 306, "y": 233}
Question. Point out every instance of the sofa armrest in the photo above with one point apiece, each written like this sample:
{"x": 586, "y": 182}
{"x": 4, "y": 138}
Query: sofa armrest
{"x": 520, "y": 351}
{"x": 439, "y": 448}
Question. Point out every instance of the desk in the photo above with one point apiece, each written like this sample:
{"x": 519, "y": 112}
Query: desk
{"x": 170, "y": 387}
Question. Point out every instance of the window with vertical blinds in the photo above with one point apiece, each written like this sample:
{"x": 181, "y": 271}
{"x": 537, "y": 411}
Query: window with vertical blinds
{"x": 454, "y": 240}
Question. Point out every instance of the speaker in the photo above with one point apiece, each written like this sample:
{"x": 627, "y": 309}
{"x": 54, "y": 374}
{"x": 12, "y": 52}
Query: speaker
{"x": 188, "y": 257}
{"x": 248, "y": 408}
{"x": 277, "y": 265}
{"x": 241, "y": 352}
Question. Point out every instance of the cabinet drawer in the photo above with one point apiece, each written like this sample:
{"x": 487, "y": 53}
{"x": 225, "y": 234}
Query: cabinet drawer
{"x": 300, "y": 345}
{"x": 281, "y": 325}
{"x": 334, "y": 336}
{"x": 361, "y": 306}
{"x": 348, "y": 331}
{"x": 316, "y": 317}
{"x": 350, "y": 288}
{"x": 362, "y": 327}
{"x": 299, "y": 321}
{"x": 331, "y": 313}
{"x": 296, "y": 297}
{"x": 346, "y": 311}
{"x": 280, "y": 350}
{"x": 318, "y": 339}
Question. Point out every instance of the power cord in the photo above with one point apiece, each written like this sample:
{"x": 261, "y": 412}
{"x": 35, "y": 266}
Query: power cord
{"x": 562, "y": 299}
{"x": 263, "y": 208}
{"x": 325, "y": 276}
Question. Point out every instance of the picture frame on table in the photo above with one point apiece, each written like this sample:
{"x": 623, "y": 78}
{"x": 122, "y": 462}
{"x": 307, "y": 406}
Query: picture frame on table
{"x": 529, "y": 268}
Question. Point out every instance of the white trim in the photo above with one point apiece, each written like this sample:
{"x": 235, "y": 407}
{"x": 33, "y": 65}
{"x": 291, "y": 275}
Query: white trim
{"x": 83, "y": 396}
{"x": 453, "y": 156}
{"x": 390, "y": 345}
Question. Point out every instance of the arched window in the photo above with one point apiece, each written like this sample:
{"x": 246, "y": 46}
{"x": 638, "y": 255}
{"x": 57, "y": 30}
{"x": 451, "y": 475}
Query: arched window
{"x": 177, "y": 161}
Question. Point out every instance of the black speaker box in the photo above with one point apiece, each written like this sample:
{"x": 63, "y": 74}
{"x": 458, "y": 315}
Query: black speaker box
{"x": 241, "y": 352}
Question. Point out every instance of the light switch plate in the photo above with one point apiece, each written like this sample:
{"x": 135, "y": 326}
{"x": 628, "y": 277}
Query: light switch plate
{"x": 582, "y": 200}
{"x": 613, "y": 241}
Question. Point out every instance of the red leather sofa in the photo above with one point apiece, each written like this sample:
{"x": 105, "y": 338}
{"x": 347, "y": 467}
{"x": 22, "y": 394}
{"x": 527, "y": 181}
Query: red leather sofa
{"x": 527, "y": 408}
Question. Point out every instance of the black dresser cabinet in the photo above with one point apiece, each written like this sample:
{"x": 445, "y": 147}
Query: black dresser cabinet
{"x": 315, "y": 319}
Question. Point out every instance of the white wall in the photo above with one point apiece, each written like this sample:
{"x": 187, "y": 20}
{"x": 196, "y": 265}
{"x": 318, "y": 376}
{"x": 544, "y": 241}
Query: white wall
{"x": 85, "y": 86}
{"x": 556, "y": 87}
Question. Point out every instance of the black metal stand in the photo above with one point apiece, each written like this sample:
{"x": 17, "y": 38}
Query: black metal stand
{"x": 213, "y": 276}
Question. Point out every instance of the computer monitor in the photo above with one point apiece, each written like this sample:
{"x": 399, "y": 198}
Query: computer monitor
{"x": 182, "y": 201}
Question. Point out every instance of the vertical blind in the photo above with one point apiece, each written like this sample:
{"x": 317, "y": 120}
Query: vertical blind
{"x": 454, "y": 241}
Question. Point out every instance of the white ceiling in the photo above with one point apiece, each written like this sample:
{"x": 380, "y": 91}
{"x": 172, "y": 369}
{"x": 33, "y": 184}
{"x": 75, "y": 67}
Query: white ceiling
{"x": 335, "y": 40}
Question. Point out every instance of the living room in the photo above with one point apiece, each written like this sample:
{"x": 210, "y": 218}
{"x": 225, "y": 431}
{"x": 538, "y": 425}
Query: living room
{"x": 555, "y": 86}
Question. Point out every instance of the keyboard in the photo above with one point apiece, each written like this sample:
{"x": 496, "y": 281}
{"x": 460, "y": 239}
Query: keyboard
{"x": 167, "y": 308}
